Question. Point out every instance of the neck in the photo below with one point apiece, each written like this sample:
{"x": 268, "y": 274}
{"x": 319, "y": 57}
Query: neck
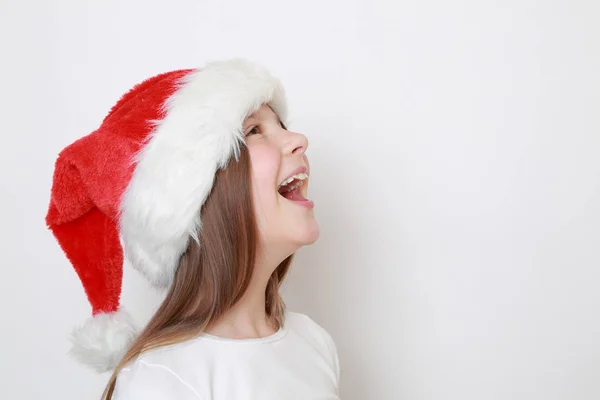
{"x": 248, "y": 317}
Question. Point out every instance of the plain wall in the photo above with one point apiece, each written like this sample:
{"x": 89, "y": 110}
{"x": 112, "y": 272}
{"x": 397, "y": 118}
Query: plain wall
{"x": 455, "y": 154}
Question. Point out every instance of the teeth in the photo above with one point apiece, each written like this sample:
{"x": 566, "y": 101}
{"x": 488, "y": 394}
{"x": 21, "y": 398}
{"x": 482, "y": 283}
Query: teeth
{"x": 301, "y": 177}
{"x": 294, "y": 186}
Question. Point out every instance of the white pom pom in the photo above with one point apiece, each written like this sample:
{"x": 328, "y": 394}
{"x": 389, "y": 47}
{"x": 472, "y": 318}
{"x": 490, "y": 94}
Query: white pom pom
{"x": 103, "y": 340}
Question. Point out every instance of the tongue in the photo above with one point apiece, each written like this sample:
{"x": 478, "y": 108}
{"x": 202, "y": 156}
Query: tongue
{"x": 294, "y": 195}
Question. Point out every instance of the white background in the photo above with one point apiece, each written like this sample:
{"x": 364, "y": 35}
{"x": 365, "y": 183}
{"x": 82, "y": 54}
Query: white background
{"x": 455, "y": 152}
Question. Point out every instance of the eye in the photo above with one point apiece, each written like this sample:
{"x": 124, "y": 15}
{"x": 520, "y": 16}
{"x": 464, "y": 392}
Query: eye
{"x": 253, "y": 131}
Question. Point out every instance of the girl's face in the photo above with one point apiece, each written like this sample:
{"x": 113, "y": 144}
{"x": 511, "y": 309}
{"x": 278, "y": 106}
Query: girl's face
{"x": 285, "y": 217}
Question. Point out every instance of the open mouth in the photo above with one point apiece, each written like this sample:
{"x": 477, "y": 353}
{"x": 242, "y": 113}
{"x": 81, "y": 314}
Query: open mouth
{"x": 291, "y": 188}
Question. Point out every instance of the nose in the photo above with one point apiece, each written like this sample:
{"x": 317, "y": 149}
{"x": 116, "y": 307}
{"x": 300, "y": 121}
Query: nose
{"x": 296, "y": 143}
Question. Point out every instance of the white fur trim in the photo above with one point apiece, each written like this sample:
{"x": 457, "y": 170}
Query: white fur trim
{"x": 160, "y": 209}
{"x": 103, "y": 340}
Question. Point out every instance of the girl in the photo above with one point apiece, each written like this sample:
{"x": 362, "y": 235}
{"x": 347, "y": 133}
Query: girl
{"x": 195, "y": 180}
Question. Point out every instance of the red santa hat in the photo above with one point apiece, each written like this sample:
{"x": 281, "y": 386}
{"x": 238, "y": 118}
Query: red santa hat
{"x": 133, "y": 188}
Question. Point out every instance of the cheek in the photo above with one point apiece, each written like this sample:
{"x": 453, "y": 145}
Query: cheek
{"x": 265, "y": 164}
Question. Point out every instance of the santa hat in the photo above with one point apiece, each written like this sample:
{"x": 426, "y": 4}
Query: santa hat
{"x": 133, "y": 188}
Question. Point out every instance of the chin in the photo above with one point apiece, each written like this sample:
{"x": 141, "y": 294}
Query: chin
{"x": 308, "y": 235}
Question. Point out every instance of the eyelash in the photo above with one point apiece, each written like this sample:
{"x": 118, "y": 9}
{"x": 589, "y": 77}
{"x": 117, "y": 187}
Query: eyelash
{"x": 252, "y": 130}
{"x": 258, "y": 130}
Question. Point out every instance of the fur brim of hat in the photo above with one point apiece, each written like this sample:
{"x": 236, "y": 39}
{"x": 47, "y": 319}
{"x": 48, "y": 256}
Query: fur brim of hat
{"x": 176, "y": 169}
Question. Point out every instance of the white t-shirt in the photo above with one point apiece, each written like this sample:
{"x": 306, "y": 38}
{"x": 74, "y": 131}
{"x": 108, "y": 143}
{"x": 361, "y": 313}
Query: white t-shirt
{"x": 297, "y": 362}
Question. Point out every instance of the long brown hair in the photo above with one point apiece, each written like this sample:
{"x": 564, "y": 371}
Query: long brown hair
{"x": 213, "y": 276}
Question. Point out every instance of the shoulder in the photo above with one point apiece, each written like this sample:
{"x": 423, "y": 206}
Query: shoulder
{"x": 311, "y": 331}
{"x": 306, "y": 326}
{"x": 157, "y": 374}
